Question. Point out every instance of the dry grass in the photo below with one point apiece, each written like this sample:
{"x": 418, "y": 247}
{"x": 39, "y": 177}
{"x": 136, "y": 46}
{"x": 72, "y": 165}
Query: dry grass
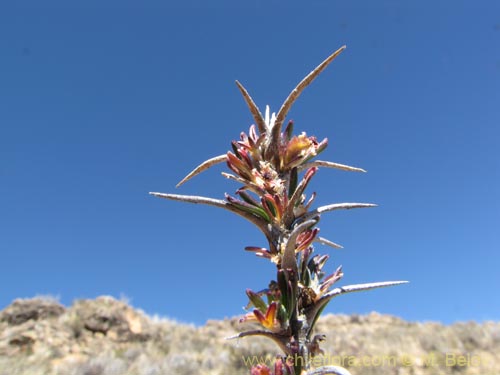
{"x": 108, "y": 337}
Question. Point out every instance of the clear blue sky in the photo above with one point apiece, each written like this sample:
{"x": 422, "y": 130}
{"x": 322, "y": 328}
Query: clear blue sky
{"x": 101, "y": 104}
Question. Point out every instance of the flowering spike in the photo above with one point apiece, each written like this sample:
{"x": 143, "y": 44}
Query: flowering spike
{"x": 267, "y": 162}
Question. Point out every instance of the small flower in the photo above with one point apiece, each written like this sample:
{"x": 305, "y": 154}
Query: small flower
{"x": 317, "y": 288}
{"x": 300, "y": 149}
{"x": 260, "y": 370}
{"x": 268, "y": 320}
{"x": 251, "y": 143}
{"x": 267, "y": 179}
{"x": 330, "y": 280}
{"x": 281, "y": 367}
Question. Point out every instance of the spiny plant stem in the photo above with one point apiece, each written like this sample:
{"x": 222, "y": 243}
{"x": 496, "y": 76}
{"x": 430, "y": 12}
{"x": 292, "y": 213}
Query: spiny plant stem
{"x": 275, "y": 168}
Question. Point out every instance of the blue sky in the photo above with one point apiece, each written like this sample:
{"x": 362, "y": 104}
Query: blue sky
{"x": 101, "y": 104}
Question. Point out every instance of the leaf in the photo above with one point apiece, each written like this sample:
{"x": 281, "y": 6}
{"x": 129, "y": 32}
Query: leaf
{"x": 294, "y": 94}
{"x": 327, "y": 242}
{"x": 257, "y": 301}
{"x": 279, "y": 339}
{"x": 202, "y": 167}
{"x": 288, "y": 131}
{"x": 283, "y": 287}
{"x": 257, "y": 115}
{"x": 248, "y": 199}
{"x": 254, "y": 219}
{"x": 337, "y": 206}
{"x": 249, "y": 208}
{"x": 313, "y": 312}
{"x": 289, "y": 260}
{"x": 329, "y": 164}
{"x": 294, "y": 177}
{"x": 297, "y": 194}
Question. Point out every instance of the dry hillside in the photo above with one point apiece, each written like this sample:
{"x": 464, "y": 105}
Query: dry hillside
{"x": 108, "y": 337}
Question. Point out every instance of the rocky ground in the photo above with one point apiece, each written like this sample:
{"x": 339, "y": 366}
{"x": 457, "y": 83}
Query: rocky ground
{"x": 108, "y": 337}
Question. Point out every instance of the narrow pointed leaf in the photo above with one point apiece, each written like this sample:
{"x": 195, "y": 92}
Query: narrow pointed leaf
{"x": 283, "y": 287}
{"x": 234, "y": 146}
{"x": 269, "y": 206}
{"x": 251, "y": 209}
{"x": 360, "y": 288}
{"x": 247, "y": 198}
{"x": 202, "y": 167}
{"x": 343, "y": 206}
{"x": 310, "y": 201}
{"x": 257, "y": 115}
{"x": 289, "y": 131}
{"x": 313, "y": 312}
{"x": 327, "y": 242}
{"x": 257, "y": 221}
{"x": 294, "y": 178}
{"x": 329, "y": 164}
{"x": 246, "y": 184}
{"x": 281, "y": 340}
{"x": 192, "y": 199}
{"x": 292, "y": 292}
{"x": 297, "y": 194}
{"x": 337, "y": 206}
{"x": 287, "y": 104}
